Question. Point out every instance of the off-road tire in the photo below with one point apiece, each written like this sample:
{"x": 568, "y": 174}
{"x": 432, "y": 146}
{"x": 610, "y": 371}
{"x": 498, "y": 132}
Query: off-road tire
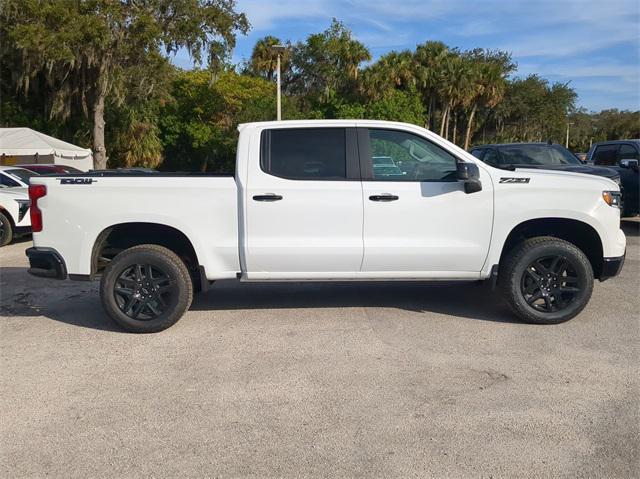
{"x": 514, "y": 268}
{"x": 177, "y": 298}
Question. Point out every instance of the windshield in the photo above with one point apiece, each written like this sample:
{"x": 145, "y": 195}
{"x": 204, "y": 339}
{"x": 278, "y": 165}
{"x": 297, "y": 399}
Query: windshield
{"x": 21, "y": 174}
{"x": 537, "y": 155}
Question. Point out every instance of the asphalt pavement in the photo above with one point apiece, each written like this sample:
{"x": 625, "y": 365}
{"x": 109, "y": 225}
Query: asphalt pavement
{"x": 327, "y": 380}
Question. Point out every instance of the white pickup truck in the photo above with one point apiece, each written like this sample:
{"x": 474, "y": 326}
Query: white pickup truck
{"x": 330, "y": 200}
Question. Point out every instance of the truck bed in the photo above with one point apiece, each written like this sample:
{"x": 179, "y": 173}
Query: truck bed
{"x": 79, "y": 207}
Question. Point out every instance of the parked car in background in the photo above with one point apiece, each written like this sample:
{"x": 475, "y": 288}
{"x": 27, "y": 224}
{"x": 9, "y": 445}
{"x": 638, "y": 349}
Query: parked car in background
{"x": 14, "y": 214}
{"x": 14, "y": 177}
{"x": 610, "y": 153}
{"x": 623, "y": 156}
{"x": 545, "y": 156}
{"x": 582, "y": 157}
{"x": 49, "y": 169}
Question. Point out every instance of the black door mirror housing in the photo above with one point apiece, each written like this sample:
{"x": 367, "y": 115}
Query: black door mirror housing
{"x": 631, "y": 164}
{"x": 469, "y": 173}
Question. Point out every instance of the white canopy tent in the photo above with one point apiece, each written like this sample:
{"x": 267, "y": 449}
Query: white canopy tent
{"x": 26, "y": 146}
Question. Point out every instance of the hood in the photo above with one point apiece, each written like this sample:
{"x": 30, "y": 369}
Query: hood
{"x": 584, "y": 169}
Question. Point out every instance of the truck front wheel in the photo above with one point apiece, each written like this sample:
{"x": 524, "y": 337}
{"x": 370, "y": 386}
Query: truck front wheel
{"x": 546, "y": 280}
{"x": 146, "y": 288}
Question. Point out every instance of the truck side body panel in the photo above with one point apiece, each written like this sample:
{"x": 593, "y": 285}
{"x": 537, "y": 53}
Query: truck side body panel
{"x": 525, "y": 195}
{"x": 203, "y": 208}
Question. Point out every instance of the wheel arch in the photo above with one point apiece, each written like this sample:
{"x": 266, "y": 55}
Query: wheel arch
{"x": 8, "y": 214}
{"x": 118, "y": 237}
{"x": 581, "y": 234}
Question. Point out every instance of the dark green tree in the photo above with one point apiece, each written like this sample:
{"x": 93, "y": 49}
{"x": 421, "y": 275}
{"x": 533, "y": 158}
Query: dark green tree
{"x": 85, "y": 52}
{"x": 326, "y": 65}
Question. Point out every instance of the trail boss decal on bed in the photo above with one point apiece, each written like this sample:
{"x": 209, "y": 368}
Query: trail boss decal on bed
{"x": 76, "y": 181}
{"x": 514, "y": 180}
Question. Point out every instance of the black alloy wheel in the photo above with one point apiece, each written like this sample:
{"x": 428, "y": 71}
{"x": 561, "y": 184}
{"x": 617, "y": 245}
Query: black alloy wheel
{"x": 546, "y": 280}
{"x": 144, "y": 291}
{"x": 550, "y": 284}
{"x": 146, "y": 288}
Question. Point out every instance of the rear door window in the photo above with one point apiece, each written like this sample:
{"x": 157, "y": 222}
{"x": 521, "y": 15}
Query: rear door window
{"x": 305, "y": 153}
{"x": 627, "y": 152}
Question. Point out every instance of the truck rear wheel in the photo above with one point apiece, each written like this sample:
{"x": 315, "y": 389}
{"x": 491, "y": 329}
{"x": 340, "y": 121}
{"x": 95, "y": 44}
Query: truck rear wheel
{"x": 6, "y": 230}
{"x": 146, "y": 289}
{"x": 546, "y": 280}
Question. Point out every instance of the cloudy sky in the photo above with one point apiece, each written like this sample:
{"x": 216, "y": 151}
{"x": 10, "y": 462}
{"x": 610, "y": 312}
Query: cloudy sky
{"x": 594, "y": 44}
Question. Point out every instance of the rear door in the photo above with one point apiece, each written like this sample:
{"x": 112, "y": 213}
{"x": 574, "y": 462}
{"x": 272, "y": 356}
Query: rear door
{"x": 304, "y": 205}
{"x": 418, "y": 221}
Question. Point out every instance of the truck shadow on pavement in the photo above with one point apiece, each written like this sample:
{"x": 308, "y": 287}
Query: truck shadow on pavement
{"x": 461, "y": 299}
{"x": 78, "y": 303}
{"x": 71, "y": 302}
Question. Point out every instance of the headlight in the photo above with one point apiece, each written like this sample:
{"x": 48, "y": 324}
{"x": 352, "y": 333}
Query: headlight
{"x": 612, "y": 198}
{"x": 23, "y": 207}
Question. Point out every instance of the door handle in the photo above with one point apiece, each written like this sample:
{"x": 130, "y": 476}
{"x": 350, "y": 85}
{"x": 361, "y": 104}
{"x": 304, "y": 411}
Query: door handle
{"x": 385, "y": 197}
{"x": 267, "y": 197}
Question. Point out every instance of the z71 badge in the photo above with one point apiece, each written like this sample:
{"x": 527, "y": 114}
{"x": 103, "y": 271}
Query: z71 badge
{"x": 76, "y": 181}
{"x": 514, "y": 180}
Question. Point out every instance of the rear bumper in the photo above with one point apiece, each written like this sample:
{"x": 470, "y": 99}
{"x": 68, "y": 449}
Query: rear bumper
{"x": 611, "y": 267}
{"x": 46, "y": 263}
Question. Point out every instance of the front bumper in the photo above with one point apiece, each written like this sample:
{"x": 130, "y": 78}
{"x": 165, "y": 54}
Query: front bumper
{"x": 611, "y": 267}
{"x": 46, "y": 263}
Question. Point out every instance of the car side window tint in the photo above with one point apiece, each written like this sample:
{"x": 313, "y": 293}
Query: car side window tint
{"x": 401, "y": 156}
{"x": 627, "y": 152}
{"x": 305, "y": 153}
{"x": 605, "y": 155}
{"x": 9, "y": 182}
{"x": 477, "y": 153}
{"x": 490, "y": 157}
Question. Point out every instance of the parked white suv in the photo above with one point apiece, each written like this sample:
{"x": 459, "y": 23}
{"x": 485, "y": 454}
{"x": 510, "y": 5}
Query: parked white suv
{"x": 312, "y": 201}
{"x": 15, "y": 177}
{"x": 14, "y": 214}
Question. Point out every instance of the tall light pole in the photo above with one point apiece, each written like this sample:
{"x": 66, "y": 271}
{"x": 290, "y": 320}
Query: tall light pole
{"x": 279, "y": 49}
{"x": 566, "y": 145}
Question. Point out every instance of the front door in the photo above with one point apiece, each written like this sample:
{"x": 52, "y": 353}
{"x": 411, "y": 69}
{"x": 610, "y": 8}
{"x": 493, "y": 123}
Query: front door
{"x": 304, "y": 205}
{"x": 418, "y": 220}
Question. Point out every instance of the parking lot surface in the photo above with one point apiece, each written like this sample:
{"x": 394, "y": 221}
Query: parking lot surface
{"x": 340, "y": 379}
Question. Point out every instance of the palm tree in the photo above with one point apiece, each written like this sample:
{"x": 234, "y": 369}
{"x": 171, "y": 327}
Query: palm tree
{"x": 452, "y": 87}
{"x": 395, "y": 70}
{"x": 264, "y": 58}
{"x": 489, "y": 85}
{"x": 430, "y": 59}
{"x": 353, "y": 53}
